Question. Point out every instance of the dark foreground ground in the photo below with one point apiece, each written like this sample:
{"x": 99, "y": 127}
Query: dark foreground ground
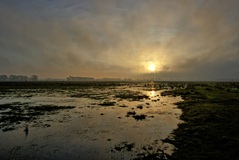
{"x": 210, "y": 114}
{"x": 211, "y": 128}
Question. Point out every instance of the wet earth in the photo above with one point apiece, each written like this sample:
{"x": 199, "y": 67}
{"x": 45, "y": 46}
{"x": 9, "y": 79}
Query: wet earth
{"x": 113, "y": 122}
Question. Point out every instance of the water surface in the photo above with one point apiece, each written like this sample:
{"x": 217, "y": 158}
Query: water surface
{"x": 112, "y": 122}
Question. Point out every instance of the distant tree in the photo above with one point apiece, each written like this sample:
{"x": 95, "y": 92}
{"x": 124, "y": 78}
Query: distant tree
{"x": 3, "y": 78}
{"x": 18, "y": 78}
{"x": 33, "y": 78}
{"x": 13, "y": 78}
{"x": 24, "y": 78}
{"x": 70, "y": 78}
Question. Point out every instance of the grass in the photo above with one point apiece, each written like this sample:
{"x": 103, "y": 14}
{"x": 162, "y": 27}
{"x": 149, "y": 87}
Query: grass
{"x": 211, "y": 117}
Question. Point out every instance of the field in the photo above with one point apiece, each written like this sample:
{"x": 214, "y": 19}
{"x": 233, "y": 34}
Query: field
{"x": 119, "y": 120}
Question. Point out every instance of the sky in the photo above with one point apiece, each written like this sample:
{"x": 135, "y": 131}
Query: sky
{"x": 165, "y": 39}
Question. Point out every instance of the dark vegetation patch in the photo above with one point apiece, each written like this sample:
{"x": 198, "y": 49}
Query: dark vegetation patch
{"x": 92, "y": 94}
{"x": 130, "y": 113}
{"x": 48, "y": 108}
{"x": 155, "y": 100}
{"x": 151, "y": 152}
{"x": 140, "y": 107}
{"x": 123, "y": 106}
{"x": 107, "y": 103}
{"x": 124, "y": 146}
{"x": 211, "y": 115}
{"x": 131, "y": 95}
{"x": 8, "y": 129}
{"x": 139, "y": 117}
{"x": 14, "y": 114}
{"x": 136, "y": 116}
{"x": 146, "y": 152}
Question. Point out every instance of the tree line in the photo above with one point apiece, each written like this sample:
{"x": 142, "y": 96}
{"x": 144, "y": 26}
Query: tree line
{"x": 18, "y": 78}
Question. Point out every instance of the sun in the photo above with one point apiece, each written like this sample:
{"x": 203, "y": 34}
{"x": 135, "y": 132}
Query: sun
{"x": 152, "y": 67}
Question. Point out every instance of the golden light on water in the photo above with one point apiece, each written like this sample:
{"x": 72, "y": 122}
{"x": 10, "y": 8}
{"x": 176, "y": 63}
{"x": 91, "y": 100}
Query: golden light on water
{"x": 152, "y": 93}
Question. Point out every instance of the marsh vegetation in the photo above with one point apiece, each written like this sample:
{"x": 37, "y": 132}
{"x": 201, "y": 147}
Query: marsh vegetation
{"x": 119, "y": 120}
{"x": 211, "y": 118}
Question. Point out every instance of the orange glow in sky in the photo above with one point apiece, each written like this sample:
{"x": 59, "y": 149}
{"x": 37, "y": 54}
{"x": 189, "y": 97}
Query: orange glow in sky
{"x": 152, "y": 67}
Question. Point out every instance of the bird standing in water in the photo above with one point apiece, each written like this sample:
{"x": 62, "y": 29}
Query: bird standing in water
{"x": 26, "y": 130}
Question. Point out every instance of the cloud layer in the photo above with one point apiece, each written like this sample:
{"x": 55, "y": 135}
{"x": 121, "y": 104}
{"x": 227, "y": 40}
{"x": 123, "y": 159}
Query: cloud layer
{"x": 111, "y": 38}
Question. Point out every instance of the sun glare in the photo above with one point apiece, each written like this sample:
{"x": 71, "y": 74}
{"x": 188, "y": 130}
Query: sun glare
{"x": 152, "y": 67}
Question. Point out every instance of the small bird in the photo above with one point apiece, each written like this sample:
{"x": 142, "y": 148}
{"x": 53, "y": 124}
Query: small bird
{"x": 26, "y": 131}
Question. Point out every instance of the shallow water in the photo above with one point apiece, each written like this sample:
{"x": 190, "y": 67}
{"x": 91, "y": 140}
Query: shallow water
{"x": 103, "y": 122}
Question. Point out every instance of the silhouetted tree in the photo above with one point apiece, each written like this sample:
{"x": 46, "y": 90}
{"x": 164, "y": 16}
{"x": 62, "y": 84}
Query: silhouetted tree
{"x": 33, "y": 78}
{"x": 12, "y": 78}
{"x": 18, "y": 78}
{"x": 3, "y": 78}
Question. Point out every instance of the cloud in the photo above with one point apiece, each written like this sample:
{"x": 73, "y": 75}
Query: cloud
{"x": 117, "y": 38}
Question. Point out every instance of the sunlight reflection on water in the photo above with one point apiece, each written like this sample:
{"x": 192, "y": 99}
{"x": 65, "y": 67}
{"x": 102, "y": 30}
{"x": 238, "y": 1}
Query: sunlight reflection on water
{"x": 91, "y": 130}
{"x": 152, "y": 93}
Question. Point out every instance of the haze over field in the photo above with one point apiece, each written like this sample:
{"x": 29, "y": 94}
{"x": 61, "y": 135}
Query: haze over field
{"x": 168, "y": 39}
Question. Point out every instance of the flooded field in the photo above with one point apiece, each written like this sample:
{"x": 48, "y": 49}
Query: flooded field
{"x": 87, "y": 121}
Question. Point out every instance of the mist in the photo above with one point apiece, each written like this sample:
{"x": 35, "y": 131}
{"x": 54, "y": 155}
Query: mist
{"x": 111, "y": 38}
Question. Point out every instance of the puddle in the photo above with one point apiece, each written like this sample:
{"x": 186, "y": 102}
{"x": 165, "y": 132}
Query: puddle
{"x": 119, "y": 122}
